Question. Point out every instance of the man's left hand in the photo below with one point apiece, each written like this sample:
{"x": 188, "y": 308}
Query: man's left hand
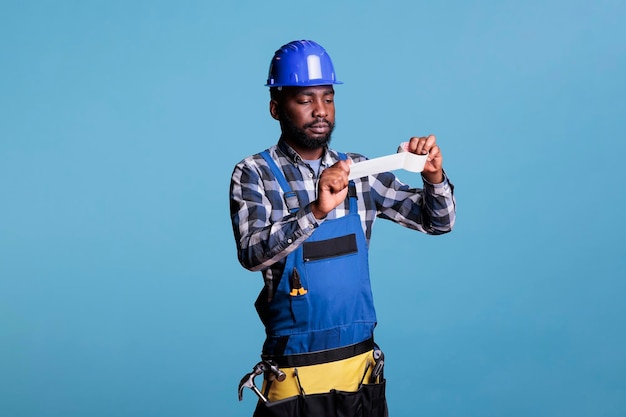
{"x": 433, "y": 171}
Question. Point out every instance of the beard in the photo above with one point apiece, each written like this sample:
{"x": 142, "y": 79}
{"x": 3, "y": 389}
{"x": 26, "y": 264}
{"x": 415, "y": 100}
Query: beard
{"x": 299, "y": 135}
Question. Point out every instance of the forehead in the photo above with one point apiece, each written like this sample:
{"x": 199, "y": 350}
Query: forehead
{"x": 309, "y": 91}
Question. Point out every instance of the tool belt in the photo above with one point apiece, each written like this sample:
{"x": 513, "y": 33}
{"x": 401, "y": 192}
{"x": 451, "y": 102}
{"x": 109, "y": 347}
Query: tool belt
{"x": 368, "y": 401}
{"x": 344, "y": 382}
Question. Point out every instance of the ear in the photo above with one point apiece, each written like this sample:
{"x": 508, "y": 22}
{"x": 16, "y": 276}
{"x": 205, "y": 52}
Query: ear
{"x": 274, "y": 109}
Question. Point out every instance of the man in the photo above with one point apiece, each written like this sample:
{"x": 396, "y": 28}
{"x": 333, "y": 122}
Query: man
{"x": 297, "y": 218}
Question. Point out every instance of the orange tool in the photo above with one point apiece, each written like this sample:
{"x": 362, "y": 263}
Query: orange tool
{"x": 296, "y": 284}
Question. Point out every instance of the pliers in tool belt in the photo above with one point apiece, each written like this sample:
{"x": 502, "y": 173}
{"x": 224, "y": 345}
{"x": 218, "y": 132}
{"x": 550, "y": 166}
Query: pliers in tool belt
{"x": 296, "y": 284}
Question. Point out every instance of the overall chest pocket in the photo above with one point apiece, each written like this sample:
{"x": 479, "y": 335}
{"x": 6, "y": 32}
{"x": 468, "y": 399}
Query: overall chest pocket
{"x": 329, "y": 248}
{"x": 334, "y": 274}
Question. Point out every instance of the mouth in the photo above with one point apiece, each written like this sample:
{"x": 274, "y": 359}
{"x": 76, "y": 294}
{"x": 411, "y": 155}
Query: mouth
{"x": 319, "y": 128}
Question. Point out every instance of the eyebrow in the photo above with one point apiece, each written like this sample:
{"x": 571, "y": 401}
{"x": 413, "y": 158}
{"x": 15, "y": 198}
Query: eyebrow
{"x": 310, "y": 93}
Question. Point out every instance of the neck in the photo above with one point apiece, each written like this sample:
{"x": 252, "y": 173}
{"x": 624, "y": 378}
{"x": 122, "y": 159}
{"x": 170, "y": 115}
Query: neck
{"x": 305, "y": 153}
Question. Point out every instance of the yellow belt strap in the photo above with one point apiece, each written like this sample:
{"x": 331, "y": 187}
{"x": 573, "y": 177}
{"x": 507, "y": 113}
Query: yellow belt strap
{"x": 342, "y": 375}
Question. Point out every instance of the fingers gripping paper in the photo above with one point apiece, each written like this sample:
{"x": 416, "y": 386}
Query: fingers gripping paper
{"x": 401, "y": 160}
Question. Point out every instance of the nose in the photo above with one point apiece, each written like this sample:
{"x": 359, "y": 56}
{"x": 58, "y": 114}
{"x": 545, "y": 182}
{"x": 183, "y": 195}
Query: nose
{"x": 320, "y": 109}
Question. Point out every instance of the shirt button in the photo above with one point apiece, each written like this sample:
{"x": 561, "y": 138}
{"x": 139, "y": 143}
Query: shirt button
{"x": 310, "y": 175}
{"x": 289, "y": 240}
{"x": 311, "y": 226}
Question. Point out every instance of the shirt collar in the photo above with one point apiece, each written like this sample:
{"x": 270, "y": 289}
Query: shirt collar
{"x": 295, "y": 158}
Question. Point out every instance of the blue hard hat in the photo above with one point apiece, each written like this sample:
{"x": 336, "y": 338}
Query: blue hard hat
{"x": 301, "y": 64}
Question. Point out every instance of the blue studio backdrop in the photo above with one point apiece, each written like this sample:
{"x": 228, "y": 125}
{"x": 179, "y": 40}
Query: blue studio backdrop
{"x": 120, "y": 123}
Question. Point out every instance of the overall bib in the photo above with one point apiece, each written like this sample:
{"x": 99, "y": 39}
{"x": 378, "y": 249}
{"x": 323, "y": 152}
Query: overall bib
{"x": 322, "y": 312}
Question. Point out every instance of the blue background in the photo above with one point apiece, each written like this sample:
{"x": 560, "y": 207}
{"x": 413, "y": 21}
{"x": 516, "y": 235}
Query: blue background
{"x": 120, "y": 291}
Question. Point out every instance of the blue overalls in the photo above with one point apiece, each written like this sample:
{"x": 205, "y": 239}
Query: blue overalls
{"x": 322, "y": 313}
{"x": 324, "y": 299}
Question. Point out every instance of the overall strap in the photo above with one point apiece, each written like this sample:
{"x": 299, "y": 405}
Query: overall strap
{"x": 351, "y": 188}
{"x": 291, "y": 199}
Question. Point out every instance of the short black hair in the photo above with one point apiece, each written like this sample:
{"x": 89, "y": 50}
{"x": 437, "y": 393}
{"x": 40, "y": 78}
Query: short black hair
{"x": 276, "y": 93}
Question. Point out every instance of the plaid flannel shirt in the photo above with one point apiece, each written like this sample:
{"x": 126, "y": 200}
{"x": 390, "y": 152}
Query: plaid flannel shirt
{"x": 265, "y": 231}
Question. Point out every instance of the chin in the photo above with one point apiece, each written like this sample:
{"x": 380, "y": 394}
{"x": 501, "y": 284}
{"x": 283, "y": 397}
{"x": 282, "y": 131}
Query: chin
{"x": 316, "y": 143}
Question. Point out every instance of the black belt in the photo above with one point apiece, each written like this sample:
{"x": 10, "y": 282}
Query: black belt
{"x": 322, "y": 356}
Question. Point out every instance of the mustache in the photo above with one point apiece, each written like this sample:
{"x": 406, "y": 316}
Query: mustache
{"x": 317, "y": 122}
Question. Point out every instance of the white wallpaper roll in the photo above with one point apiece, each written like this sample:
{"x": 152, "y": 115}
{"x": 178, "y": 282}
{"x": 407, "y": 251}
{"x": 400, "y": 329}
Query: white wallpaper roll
{"x": 401, "y": 160}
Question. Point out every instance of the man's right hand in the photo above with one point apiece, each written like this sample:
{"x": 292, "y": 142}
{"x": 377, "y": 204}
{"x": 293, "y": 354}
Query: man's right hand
{"x": 332, "y": 189}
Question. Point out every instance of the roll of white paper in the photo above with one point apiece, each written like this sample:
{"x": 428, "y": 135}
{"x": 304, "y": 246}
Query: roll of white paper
{"x": 401, "y": 160}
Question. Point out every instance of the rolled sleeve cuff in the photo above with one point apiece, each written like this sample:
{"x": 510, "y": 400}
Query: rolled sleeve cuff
{"x": 445, "y": 187}
{"x": 307, "y": 221}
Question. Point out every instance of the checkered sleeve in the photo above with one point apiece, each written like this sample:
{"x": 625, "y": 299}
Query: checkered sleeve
{"x": 265, "y": 232}
{"x": 431, "y": 209}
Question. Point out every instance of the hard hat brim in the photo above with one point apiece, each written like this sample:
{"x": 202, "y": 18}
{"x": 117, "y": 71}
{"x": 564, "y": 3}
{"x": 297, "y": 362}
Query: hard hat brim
{"x": 307, "y": 84}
